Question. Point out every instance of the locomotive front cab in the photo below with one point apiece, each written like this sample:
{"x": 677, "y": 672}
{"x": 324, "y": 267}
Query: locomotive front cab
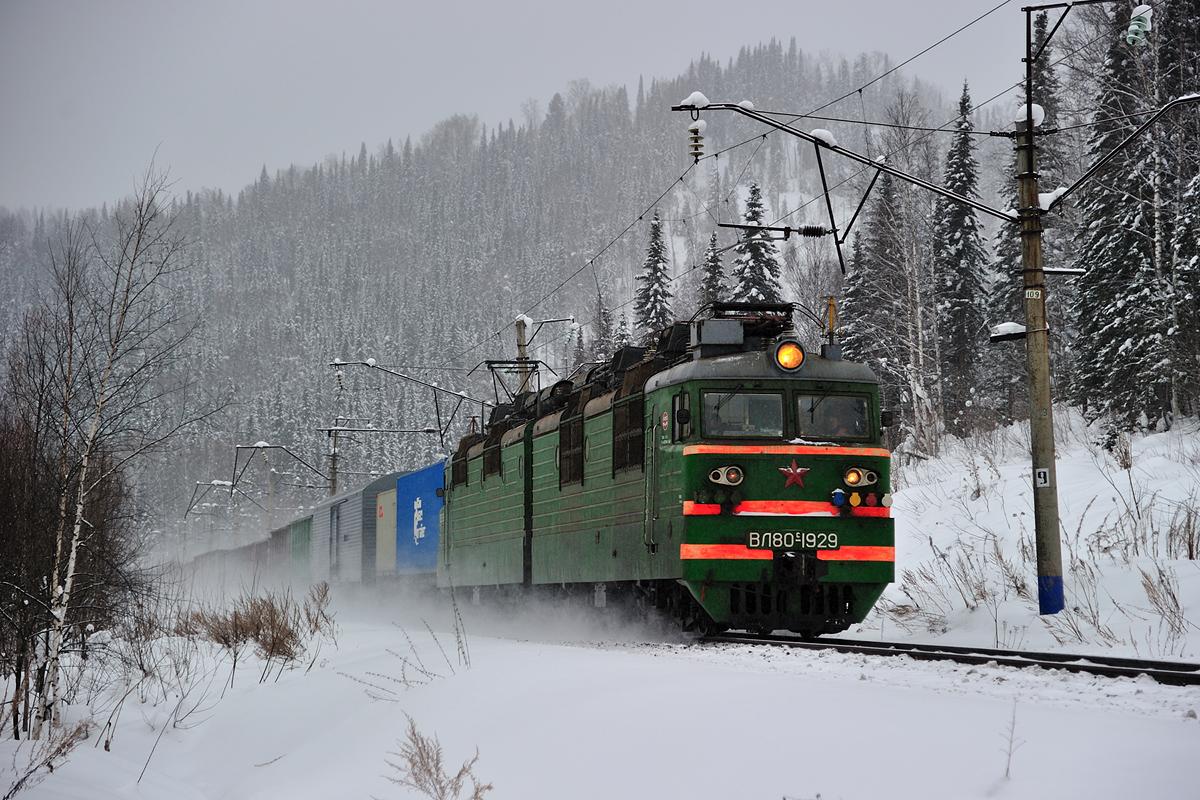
{"x": 782, "y": 485}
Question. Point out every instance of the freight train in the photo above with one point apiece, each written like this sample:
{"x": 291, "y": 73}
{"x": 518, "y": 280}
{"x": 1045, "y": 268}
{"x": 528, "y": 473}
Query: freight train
{"x": 720, "y": 474}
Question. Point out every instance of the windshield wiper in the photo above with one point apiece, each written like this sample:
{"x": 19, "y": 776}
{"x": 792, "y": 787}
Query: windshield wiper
{"x": 725, "y": 398}
{"x": 812, "y": 409}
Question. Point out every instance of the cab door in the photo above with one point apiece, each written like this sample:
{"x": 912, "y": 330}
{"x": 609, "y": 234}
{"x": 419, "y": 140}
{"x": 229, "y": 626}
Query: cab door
{"x": 657, "y": 426}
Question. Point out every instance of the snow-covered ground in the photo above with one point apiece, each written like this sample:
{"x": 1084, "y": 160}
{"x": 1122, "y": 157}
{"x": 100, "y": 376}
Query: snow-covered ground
{"x": 653, "y": 720}
{"x": 966, "y": 572}
{"x": 567, "y": 705}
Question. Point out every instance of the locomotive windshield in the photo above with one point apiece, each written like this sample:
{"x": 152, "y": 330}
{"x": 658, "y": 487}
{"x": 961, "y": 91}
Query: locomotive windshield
{"x": 832, "y": 416}
{"x": 743, "y": 414}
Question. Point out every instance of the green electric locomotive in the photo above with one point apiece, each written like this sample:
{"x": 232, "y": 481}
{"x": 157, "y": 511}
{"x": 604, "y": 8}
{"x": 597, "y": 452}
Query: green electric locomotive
{"x": 721, "y": 474}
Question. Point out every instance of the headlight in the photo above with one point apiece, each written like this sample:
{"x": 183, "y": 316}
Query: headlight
{"x": 727, "y": 476}
{"x": 789, "y": 355}
{"x": 856, "y": 476}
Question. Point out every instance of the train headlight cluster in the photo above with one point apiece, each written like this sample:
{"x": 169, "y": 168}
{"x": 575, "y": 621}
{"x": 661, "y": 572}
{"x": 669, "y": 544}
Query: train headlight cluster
{"x": 727, "y": 476}
{"x": 789, "y": 355}
{"x": 856, "y": 476}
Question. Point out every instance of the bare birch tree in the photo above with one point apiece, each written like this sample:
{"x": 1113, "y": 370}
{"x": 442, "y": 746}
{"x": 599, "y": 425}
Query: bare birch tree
{"x": 110, "y": 372}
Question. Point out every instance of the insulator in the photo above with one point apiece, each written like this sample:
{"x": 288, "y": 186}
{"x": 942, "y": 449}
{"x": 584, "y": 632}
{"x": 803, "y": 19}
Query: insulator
{"x": 1139, "y": 25}
{"x": 1136, "y": 35}
{"x": 811, "y": 230}
{"x": 696, "y": 145}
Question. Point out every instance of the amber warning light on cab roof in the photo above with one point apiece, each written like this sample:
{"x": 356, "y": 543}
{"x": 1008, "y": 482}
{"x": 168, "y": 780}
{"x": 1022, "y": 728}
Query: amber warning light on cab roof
{"x": 789, "y": 355}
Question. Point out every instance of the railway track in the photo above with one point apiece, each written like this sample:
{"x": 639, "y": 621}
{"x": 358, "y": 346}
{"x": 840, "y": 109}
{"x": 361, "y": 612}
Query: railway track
{"x": 1172, "y": 673}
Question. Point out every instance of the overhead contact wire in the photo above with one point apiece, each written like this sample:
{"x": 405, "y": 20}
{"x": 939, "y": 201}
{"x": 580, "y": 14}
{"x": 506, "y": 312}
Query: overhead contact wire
{"x": 951, "y": 121}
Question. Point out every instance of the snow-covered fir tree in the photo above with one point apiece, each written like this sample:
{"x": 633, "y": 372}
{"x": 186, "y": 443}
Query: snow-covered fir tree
{"x": 1176, "y": 153}
{"x": 1003, "y": 377}
{"x": 1124, "y": 363}
{"x": 960, "y": 260}
{"x": 855, "y": 307}
{"x": 712, "y": 280}
{"x": 872, "y": 314}
{"x": 652, "y": 303}
{"x": 539, "y": 193}
{"x": 1185, "y": 331}
{"x": 1059, "y": 238}
{"x": 623, "y": 336}
{"x": 579, "y": 354}
{"x": 756, "y": 267}
{"x": 603, "y": 344}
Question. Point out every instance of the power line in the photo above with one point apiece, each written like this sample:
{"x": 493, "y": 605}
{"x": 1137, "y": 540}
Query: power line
{"x": 928, "y": 132}
{"x": 439, "y": 367}
{"x": 1075, "y": 112}
{"x": 869, "y": 123}
{"x": 590, "y": 262}
{"x": 761, "y": 138}
{"x": 877, "y": 78}
{"x": 674, "y": 278}
{"x": 954, "y": 119}
{"x": 745, "y": 167}
{"x": 723, "y": 197}
{"x": 913, "y": 58}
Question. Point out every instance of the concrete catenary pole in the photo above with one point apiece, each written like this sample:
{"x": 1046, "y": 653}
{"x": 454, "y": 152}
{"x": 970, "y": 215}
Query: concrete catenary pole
{"x": 523, "y": 353}
{"x": 333, "y": 458}
{"x": 1037, "y": 352}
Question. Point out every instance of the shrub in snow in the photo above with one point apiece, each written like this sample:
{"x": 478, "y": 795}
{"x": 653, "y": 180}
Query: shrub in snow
{"x": 29, "y": 768}
{"x": 419, "y": 765}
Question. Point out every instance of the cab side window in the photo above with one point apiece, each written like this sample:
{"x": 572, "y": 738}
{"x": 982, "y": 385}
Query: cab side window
{"x": 628, "y": 432}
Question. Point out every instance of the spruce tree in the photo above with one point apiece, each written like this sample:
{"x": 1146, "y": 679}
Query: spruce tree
{"x": 579, "y": 352}
{"x": 873, "y": 312}
{"x": 1122, "y": 341}
{"x": 855, "y": 307}
{"x": 623, "y": 335}
{"x": 1059, "y": 240}
{"x": 1003, "y": 378}
{"x": 652, "y": 302}
{"x": 756, "y": 268}
{"x": 712, "y": 281}
{"x": 1177, "y": 40}
{"x": 603, "y": 345}
{"x": 959, "y": 263}
{"x": 1185, "y": 331}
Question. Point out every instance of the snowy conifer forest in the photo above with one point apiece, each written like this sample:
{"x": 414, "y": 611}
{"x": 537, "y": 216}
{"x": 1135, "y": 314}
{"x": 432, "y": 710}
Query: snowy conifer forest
{"x": 419, "y": 253}
{"x": 255, "y": 318}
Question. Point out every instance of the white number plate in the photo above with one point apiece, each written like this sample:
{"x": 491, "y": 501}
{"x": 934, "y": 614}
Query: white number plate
{"x": 791, "y": 540}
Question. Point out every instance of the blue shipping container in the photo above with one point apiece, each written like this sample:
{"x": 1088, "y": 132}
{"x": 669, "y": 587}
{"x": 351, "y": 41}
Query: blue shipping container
{"x": 418, "y": 511}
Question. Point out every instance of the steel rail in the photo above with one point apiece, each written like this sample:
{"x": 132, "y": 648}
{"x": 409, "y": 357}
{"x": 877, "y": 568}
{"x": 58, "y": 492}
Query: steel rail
{"x": 1171, "y": 673}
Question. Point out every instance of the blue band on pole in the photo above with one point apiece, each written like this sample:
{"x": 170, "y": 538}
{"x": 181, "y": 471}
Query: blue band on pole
{"x": 1050, "y": 594}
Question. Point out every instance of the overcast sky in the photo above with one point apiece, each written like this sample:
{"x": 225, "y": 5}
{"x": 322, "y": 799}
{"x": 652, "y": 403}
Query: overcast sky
{"x": 90, "y": 89}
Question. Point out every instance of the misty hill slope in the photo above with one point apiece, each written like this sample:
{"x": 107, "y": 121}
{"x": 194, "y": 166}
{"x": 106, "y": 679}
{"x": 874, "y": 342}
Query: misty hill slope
{"x": 416, "y": 251}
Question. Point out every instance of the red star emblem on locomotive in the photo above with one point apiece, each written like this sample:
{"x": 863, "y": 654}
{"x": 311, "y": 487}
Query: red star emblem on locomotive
{"x": 794, "y": 475}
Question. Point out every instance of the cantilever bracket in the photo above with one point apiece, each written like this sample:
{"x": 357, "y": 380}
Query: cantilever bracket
{"x": 837, "y": 242}
{"x": 802, "y": 230}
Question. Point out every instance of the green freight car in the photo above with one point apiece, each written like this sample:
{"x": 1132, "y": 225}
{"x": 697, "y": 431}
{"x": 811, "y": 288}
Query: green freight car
{"x": 721, "y": 474}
